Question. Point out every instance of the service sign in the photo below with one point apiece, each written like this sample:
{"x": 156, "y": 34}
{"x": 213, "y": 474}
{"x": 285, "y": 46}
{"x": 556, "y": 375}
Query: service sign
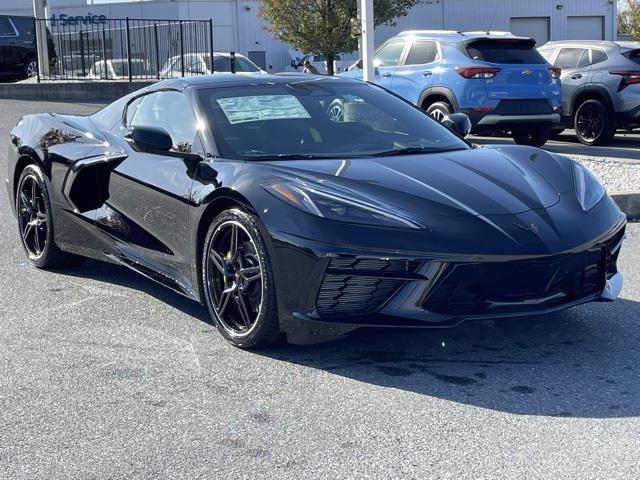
{"x": 63, "y": 19}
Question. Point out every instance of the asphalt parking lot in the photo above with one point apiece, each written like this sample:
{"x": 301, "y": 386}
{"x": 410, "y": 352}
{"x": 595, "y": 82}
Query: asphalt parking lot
{"x": 104, "y": 374}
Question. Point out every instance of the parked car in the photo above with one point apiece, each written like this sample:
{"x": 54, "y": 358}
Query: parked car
{"x": 600, "y": 87}
{"x": 76, "y": 64}
{"x": 499, "y": 80}
{"x": 118, "y": 69}
{"x": 200, "y": 64}
{"x": 18, "y": 56}
{"x": 242, "y": 193}
{"x": 320, "y": 63}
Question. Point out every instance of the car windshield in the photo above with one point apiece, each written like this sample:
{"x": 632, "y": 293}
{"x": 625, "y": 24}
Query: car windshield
{"x": 320, "y": 119}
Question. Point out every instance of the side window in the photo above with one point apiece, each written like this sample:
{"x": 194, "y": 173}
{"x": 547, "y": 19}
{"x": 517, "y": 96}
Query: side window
{"x": 569, "y": 58}
{"x": 171, "y": 111}
{"x": 598, "y": 56}
{"x": 6, "y": 29}
{"x": 244, "y": 65}
{"x": 132, "y": 108}
{"x": 547, "y": 53}
{"x": 422, "y": 52}
{"x": 389, "y": 55}
{"x": 195, "y": 66}
{"x": 584, "y": 60}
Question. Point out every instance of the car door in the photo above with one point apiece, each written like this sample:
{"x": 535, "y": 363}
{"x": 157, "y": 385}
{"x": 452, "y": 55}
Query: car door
{"x": 387, "y": 58}
{"x": 146, "y": 212}
{"x": 418, "y": 70}
{"x": 575, "y": 64}
{"x": 9, "y": 48}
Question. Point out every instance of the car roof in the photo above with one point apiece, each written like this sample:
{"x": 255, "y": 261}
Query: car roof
{"x": 228, "y": 79}
{"x": 452, "y": 36}
{"x": 604, "y": 44}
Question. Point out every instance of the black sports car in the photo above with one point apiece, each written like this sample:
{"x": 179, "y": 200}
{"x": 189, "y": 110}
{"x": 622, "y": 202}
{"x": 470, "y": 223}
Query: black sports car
{"x": 301, "y": 205}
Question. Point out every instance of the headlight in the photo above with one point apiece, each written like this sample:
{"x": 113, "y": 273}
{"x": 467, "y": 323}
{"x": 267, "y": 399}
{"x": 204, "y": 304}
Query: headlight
{"x": 331, "y": 204}
{"x": 588, "y": 188}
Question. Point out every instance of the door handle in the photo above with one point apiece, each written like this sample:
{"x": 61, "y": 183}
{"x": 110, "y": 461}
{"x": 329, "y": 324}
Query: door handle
{"x": 427, "y": 73}
{"x": 577, "y": 76}
{"x": 386, "y": 75}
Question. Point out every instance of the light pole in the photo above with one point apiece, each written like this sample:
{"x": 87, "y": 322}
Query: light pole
{"x": 366, "y": 12}
{"x": 40, "y": 13}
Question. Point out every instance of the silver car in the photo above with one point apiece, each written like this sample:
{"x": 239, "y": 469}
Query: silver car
{"x": 600, "y": 86}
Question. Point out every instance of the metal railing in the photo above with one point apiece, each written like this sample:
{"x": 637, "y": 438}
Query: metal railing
{"x": 130, "y": 49}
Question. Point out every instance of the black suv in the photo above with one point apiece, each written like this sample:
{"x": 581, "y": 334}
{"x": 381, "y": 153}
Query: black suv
{"x": 18, "y": 57}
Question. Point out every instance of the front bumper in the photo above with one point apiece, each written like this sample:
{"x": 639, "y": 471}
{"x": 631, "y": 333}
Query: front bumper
{"x": 345, "y": 290}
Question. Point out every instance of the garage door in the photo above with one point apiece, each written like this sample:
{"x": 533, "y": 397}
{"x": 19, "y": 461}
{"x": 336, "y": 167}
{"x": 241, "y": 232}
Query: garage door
{"x": 585, "y": 28}
{"x": 533, "y": 27}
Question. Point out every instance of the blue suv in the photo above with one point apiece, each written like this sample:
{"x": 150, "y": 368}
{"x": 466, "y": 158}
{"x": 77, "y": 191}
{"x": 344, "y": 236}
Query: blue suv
{"x": 499, "y": 80}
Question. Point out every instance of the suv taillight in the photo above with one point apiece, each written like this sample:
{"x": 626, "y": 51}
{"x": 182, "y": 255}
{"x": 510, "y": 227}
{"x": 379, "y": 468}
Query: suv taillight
{"x": 477, "y": 72}
{"x": 629, "y": 77}
{"x": 555, "y": 72}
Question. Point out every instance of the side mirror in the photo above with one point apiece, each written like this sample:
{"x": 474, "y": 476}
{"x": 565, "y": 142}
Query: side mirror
{"x": 458, "y": 122}
{"x": 150, "y": 139}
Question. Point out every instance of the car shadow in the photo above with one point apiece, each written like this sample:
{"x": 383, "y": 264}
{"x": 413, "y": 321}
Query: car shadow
{"x": 583, "y": 362}
{"x": 120, "y": 275}
{"x": 623, "y": 146}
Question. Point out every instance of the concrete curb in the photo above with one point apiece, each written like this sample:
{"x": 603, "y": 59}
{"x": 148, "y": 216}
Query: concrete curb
{"x": 71, "y": 91}
{"x": 629, "y": 203}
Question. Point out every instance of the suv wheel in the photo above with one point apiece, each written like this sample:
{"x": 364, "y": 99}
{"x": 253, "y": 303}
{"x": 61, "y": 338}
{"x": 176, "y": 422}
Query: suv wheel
{"x": 30, "y": 68}
{"x": 593, "y": 123}
{"x": 439, "y": 110}
{"x": 536, "y": 137}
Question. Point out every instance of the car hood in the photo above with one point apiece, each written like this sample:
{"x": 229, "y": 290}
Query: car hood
{"x": 480, "y": 181}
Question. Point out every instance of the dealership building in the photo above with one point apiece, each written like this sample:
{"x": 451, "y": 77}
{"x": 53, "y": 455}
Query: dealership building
{"x": 238, "y": 26}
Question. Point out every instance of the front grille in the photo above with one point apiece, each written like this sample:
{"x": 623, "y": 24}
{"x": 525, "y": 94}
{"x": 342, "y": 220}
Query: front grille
{"x": 523, "y": 107}
{"x": 358, "y": 286}
{"x": 383, "y": 265}
{"x": 501, "y": 287}
{"x": 354, "y": 295}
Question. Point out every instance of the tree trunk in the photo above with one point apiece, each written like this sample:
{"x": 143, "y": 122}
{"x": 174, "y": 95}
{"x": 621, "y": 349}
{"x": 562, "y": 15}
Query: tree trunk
{"x": 330, "y": 58}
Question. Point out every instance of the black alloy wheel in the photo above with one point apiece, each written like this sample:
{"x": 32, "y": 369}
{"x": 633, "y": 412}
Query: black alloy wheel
{"x": 35, "y": 221}
{"x": 593, "y": 123}
{"x": 32, "y": 216}
{"x": 237, "y": 281}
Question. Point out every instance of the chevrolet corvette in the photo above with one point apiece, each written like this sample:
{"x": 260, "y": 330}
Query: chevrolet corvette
{"x": 252, "y": 196}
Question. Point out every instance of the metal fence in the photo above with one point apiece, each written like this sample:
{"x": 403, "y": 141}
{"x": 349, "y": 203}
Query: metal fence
{"x": 128, "y": 49}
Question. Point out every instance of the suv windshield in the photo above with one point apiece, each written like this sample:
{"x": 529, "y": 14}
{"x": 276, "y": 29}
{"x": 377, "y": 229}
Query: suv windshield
{"x": 505, "y": 50}
{"x": 312, "y": 119}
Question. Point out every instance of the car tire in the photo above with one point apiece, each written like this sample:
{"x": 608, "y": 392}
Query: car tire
{"x": 237, "y": 281}
{"x": 30, "y": 68}
{"x": 35, "y": 221}
{"x": 335, "y": 110}
{"x": 439, "y": 110}
{"x": 593, "y": 123}
{"x": 537, "y": 137}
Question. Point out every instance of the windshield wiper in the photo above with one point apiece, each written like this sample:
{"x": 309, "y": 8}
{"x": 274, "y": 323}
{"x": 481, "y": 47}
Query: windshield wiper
{"x": 288, "y": 156}
{"x": 413, "y": 151}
